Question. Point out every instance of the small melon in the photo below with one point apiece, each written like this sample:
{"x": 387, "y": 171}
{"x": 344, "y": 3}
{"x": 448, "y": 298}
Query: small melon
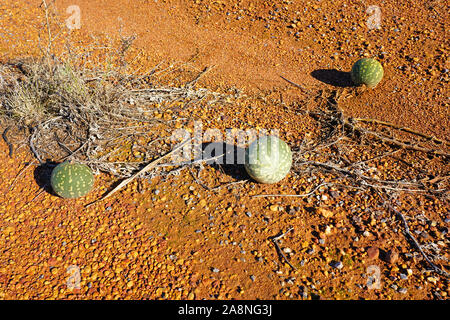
{"x": 71, "y": 180}
{"x": 268, "y": 159}
{"x": 367, "y": 71}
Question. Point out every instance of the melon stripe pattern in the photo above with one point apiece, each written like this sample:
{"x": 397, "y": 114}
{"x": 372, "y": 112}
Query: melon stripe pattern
{"x": 71, "y": 180}
{"x": 367, "y": 71}
{"x": 268, "y": 159}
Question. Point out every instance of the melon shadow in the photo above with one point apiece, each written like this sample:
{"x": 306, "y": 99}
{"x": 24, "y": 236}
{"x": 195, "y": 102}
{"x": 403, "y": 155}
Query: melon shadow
{"x": 333, "y": 77}
{"x": 232, "y": 161}
{"x": 42, "y": 175}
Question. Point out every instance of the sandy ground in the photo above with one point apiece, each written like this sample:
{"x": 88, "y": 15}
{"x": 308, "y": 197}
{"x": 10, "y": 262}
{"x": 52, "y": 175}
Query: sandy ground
{"x": 177, "y": 240}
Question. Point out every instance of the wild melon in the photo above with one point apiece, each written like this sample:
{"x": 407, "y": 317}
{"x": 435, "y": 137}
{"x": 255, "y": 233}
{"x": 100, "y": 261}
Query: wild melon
{"x": 367, "y": 71}
{"x": 72, "y": 180}
{"x": 268, "y": 159}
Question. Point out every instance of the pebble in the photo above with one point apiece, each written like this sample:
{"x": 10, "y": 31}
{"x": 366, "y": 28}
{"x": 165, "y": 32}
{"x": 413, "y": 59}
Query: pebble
{"x": 325, "y": 212}
{"x": 273, "y": 208}
{"x": 433, "y": 280}
{"x": 248, "y": 214}
{"x": 173, "y": 257}
{"x": 215, "y": 270}
{"x": 391, "y": 256}
{"x": 403, "y": 290}
{"x": 337, "y": 264}
{"x": 287, "y": 250}
{"x": 373, "y": 253}
{"x": 424, "y": 235}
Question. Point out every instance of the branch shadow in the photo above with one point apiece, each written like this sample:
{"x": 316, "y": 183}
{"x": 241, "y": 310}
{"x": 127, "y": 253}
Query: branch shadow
{"x": 333, "y": 77}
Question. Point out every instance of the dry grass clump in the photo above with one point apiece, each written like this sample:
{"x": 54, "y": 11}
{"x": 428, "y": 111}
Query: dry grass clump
{"x": 67, "y": 112}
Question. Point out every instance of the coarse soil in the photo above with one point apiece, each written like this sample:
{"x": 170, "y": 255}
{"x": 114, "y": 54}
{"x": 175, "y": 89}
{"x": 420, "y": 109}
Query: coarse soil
{"x": 172, "y": 238}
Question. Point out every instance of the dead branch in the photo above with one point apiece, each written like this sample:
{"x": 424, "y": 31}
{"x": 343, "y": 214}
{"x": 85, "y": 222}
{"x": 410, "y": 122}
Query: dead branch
{"x": 148, "y": 167}
{"x": 8, "y": 143}
{"x": 413, "y": 239}
{"x": 280, "y": 252}
{"x": 401, "y": 128}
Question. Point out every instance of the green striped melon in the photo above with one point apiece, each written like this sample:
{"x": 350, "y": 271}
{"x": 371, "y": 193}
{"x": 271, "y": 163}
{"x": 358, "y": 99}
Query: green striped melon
{"x": 367, "y": 71}
{"x": 268, "y": 159}
{"x": 71, "y": 180}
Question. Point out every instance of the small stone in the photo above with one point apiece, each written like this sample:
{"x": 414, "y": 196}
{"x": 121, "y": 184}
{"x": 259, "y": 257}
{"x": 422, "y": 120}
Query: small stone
{"x": 391, "y": 256}
{"x": 252, "y": 277}
{"x": 403, "y": 290}
{"x": 337, "y": 264}
{"x": 52, "y": 262}
{"x": 433, "y": 280}
{"x": 287, "y": 250}
{"x": 173, "y": 257}
{"x": 424, "y": 235}
{"x": 273, "y": 208}
{"x": 325, "y": 213}
{"x": 248, "y": 214}
{"x": 373, "y": 253}
{"x": 215, "y": 270}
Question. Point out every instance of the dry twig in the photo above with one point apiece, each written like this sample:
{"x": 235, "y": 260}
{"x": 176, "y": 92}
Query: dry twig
{"x": 275, "y": 242}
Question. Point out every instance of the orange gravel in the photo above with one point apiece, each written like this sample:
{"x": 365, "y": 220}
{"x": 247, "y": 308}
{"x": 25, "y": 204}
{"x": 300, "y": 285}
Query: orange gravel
{"x": 173, "y": 239}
